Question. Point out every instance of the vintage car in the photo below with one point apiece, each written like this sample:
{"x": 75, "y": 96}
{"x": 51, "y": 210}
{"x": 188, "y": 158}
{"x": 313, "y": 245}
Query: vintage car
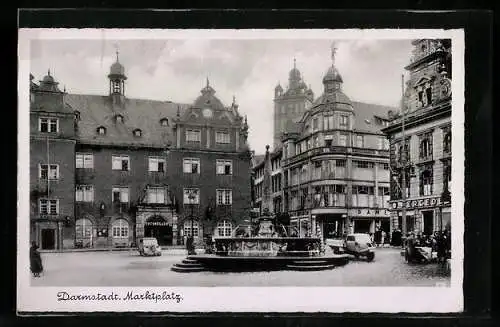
{"x": 360, "y": 245}
{"x": 148, "y": 246}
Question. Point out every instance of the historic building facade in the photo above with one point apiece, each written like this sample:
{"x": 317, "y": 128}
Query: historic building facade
{"x": 425, "y": 126}
{"x": 290, "y": 104}
{"x": 276, "y": 181}
{"x": 117, "y": 168}
{"x": 333, "y": 163}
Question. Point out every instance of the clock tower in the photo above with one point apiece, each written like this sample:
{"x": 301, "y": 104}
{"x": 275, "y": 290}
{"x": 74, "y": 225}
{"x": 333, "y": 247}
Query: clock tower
{"x": 290, "y": 104}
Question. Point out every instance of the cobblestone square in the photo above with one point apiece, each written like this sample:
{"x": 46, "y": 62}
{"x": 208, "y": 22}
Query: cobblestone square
{"x": 115, "y": 269}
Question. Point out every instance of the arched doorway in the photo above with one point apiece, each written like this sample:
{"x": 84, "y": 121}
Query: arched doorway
{"x": 159, "y": 228}
{"x": 83, "y": 231}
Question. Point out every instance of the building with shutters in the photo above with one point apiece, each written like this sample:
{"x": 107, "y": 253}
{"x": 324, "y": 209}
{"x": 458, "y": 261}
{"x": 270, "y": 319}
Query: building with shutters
{"x": 425, "y": 158}
{"x": 106, "y": 170}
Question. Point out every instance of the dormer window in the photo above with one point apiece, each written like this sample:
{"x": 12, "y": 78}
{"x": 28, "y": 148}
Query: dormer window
{"x": 164, "y": 122}
{"x": 137, "y": 133}
{"x": 119, "y": 118}
{"x": 101, "y": 130}
{"x": 77, "y": 115}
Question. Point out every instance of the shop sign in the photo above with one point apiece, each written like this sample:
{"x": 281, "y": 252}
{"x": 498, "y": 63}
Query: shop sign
{"x": 369, "y": 212}
{"x": 420, "y": 203}
{"x": 157, "y": 223}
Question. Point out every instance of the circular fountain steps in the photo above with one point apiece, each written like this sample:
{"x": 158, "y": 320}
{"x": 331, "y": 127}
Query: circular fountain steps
{"x": 188, "y": 265}
{"x": 310, "y": 265}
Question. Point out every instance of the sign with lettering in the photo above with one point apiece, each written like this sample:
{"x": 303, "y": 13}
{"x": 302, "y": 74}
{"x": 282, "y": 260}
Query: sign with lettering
{"x": 374, "y": 212}
{"x": 416, "y": 204}
{"x": 157, "y": 223}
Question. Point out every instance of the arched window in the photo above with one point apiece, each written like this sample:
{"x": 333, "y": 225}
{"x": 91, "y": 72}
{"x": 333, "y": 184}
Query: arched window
{"x": 83, "y": 229}
{"x": 187, "y": 228}
{"x": 120, "y": 228}
{"x": 224, "y": 228}
{"x": 164, "y": 122}
{"x": 101, "y": 130}
{"x": 117, "y": 88}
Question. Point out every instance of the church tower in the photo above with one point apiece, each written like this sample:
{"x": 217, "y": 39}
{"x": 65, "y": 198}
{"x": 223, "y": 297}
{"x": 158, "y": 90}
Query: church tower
{"x": 291, "y": 104}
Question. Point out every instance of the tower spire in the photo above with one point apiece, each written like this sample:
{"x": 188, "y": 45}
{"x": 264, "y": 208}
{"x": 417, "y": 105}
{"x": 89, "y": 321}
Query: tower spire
{"x": 117, "y": 53}
{"x": 48, "y": 72}
{"x": 334, "y": 51}
{"x": 208, "y": 82}
{"x": 294, "y": 63}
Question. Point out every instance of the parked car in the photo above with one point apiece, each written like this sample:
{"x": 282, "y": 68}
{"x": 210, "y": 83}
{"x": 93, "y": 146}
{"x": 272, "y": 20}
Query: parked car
{"x": 360, "y": 245}
{"x": 148, "y": 246}
{"x": 337, "y": 245}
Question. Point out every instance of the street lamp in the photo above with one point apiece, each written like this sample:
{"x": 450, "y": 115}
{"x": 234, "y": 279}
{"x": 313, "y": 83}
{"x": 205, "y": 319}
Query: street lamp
{"x": 192, "y": 197}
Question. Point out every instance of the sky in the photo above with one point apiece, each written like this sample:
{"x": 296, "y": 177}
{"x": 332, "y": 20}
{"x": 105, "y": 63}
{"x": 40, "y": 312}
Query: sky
{"x": 249, "y": 69}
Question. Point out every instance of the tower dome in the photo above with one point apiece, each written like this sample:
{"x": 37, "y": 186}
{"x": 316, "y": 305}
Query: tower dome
{"x": 48, "y": 83}
{"x": 117, "y": 80}
{"x": 117, "y": 70}
{"x": 294, "y": 74}
{"x": 332, "y": 75}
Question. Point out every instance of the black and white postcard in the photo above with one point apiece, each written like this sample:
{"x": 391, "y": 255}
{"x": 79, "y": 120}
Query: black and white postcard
{"x": 240, "y": 170}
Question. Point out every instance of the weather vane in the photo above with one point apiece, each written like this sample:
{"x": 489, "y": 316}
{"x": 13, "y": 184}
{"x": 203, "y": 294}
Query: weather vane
{"x": 334, "y": 51}
{"x": 116, "y": 51}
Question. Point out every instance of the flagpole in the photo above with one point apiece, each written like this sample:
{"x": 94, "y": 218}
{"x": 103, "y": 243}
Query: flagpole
{"x": 48, "y": 172}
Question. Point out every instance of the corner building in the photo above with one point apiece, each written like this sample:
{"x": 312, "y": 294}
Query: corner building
{"x": 425, "y": 157}
{"x": 335, "y": 163}
{"x": 106, "y": 170}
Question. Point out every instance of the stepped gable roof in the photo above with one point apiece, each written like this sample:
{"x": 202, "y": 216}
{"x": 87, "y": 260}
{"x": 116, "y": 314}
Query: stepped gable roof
{"x": 365, "y": 114}
{"x": 96, "y": 111}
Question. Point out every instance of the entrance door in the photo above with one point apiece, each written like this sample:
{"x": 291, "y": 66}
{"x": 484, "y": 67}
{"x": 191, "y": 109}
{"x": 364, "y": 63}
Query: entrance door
{"x": 48, "y": 239}
{"x": 362, "y": 226}
{"x": 158, "y": 228}
{"x": 333, "y": 226}
{"x": 428, "y": 222}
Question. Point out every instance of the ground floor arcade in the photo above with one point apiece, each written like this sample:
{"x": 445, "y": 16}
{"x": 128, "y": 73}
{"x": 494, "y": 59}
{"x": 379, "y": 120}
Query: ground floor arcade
{"x": 333, "y": 223}
{"x": 88, "y": 231}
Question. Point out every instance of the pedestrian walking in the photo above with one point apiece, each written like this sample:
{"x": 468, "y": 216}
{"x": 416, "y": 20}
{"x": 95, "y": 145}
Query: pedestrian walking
{"x": 36, "y": 266}
{"x": 382, "y": 238}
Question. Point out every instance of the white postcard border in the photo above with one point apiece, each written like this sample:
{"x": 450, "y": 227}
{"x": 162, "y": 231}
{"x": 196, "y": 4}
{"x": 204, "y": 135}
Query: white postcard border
{"x": 247, "y": 299}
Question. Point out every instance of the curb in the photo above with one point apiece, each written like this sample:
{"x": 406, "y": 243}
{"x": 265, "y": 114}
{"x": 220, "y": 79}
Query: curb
{"x": 166, "y": 251}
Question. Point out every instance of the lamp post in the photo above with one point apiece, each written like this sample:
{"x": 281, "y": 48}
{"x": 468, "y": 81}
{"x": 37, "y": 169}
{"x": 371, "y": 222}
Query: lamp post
{"x": 191, "y": 198}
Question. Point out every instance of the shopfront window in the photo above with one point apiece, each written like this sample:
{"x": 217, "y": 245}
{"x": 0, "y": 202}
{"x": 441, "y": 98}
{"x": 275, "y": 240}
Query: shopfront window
{"x": 120, "y": 228}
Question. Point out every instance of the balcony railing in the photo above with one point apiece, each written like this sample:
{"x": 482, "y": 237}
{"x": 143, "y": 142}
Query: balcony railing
{"x": 334, "y": 150}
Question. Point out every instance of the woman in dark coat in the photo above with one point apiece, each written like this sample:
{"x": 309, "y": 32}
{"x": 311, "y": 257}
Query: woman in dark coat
{"x": 35, "y": 260}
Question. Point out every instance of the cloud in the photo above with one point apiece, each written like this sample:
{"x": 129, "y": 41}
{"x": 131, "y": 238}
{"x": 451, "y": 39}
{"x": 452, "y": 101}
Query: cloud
{"x": 176, "y": 70}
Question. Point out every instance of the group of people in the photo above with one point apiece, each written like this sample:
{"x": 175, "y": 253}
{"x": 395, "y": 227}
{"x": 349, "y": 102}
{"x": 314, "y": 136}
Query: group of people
{"x": 439, "y": 242}
{"x": 380, "y": 238}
